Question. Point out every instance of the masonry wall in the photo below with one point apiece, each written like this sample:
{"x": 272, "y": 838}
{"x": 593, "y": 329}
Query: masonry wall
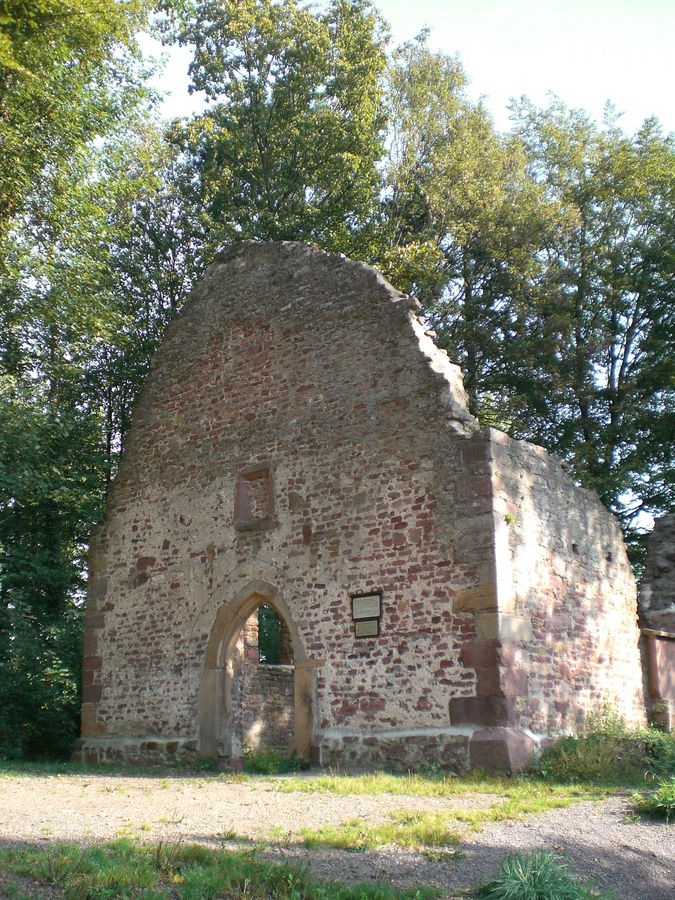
{"x": 300, "y": 430}
{"x": 657, "y": 614}
{"x": 567, "y": 595}
{"x": 657, "y": 589}
{"x": 314, "y": 366}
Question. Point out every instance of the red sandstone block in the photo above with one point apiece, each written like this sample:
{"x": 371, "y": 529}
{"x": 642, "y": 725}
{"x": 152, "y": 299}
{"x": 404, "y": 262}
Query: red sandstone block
{"x": 501, "y": 749}
{"x": 479, "y": 654}
{"x": 91, "y": 693}
{"x": 481, "y": 710}
{"x": 514, "y": 682}
{"x": 488, "y": 682}
{"x": 89, "y": 663}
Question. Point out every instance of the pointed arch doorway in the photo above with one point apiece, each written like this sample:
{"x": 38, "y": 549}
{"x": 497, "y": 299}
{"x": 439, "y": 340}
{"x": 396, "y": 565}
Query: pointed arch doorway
{"x": 220, "y": 725}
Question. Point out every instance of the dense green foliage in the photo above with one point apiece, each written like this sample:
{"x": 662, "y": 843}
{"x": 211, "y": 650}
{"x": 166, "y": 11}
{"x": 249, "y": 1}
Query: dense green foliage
{"x": 269, "y": 634}
{"x": 543, "y": 258}
{"x": 288, "y": 146}
{"x": 608, "y": 752}
{"x": 58, "y": 59}
{"x": 68, "y": 76}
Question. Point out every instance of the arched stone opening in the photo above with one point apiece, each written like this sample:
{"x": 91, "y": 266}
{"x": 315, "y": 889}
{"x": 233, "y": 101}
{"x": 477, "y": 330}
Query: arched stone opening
{"x": 227, "y": 716}
{"x": 262, "y": 698}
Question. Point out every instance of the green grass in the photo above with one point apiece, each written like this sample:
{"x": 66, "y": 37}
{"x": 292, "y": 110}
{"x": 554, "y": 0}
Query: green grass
{"x": 517, "y": 788}
{"x": 387, "y": 783}
{"x": 404, "y": 828}
{"x": 537, "y": 876}
{"x": 415, "y": 829}
{"x": 186, "y": 872}
{"x": 659, "y": 803}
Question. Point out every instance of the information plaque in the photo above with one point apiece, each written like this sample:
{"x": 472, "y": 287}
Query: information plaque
{"x": 367, "y": 628}
{"x": 366, "y": 606}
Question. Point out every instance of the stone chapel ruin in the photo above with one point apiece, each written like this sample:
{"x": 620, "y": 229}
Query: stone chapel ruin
{"x": 443, "y": 594}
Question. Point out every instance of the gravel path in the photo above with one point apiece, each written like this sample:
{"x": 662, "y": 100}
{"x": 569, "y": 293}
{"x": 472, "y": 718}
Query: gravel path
{"x": 602, "y": 841}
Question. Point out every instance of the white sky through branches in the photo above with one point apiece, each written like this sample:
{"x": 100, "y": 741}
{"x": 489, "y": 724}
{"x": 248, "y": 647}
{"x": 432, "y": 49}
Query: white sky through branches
{"x": 586, "y": 51}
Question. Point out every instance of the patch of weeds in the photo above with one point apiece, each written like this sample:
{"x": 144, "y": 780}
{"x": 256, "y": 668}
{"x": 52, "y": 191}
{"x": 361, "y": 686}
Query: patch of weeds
{"x": 536, "y": 876}
{"x": 659, "y": 803}
{"x": 610, "y": 753}
{"x": 516, "y": 807}
{"x": 183, "y": 872}
{"x": 404, "y": 829}
{"x": 202, "y": 764}
{"x": 272, "y": 762}
{"x": 416, "y": 784}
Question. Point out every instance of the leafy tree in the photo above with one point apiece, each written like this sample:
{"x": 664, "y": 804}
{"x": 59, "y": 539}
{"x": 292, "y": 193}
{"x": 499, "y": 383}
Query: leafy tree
{"x": 66, "y": 77}
{"x": 290, "y": 146}
{"x": 153, "y": 242}
{"x": 466, "y": 225}
{"x": 269, "y": 634}
{"x": 601, "y": 345}
{"x": 48, "y": 496}
{"x": 57, "y": 61}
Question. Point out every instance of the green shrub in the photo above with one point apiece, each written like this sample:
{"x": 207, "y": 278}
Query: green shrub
{"x": 272, "y": 762}
{"x": 660, "y": 802}
{"x": 608, "y": 752}
{"x": 537, "y": 876}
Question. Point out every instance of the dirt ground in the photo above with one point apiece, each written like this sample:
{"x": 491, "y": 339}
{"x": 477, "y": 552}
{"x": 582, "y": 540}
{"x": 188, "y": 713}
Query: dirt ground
{"x": 603, "y": 841}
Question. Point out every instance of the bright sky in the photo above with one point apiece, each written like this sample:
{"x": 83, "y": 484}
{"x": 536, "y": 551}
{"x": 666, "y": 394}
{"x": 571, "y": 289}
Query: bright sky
{"x": 586, "y": 51}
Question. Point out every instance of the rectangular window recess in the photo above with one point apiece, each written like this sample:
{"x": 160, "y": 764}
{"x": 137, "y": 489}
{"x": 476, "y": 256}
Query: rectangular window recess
{"x": 254, "y": 498}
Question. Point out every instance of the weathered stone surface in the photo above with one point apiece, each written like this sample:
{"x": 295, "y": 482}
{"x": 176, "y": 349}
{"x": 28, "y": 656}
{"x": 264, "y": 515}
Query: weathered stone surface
{"x": 657, "y": 589}
{"x": 504, "y": 749}
{"x": 299, "y": 441}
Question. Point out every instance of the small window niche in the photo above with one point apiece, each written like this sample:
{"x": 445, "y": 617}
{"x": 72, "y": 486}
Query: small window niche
{"x": 366, "y": 614}
{"x": 254, "y": 499}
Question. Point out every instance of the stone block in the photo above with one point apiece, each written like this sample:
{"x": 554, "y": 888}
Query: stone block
{"x": 501, "y": 750}
{"x": 481, "y": 596}
{"x": 481, "y": 710}
{"x": 515, "y": 628}
{"x": 479, "y": 654}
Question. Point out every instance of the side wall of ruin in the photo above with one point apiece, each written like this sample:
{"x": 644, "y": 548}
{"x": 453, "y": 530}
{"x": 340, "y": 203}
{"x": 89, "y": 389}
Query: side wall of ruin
{"x": 567, "y": 595}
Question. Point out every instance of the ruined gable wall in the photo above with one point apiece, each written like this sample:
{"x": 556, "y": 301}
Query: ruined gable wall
{"x": 567, "y": 596}
{"x": 311, "y": 363}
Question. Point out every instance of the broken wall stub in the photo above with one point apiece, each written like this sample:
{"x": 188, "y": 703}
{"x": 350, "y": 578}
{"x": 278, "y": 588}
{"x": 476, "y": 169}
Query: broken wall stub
{"x": 657, "y": 613}
{"x": 450, "y": 595}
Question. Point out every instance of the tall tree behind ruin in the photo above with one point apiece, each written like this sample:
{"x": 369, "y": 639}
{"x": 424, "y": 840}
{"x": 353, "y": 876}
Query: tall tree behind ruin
{"x": 69, "y": 77}
{"x": 544, "y": 261}
{"x": 601, "y": 338}
{"x": 465, "y": 226}
{"x": 289, "y": 144}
